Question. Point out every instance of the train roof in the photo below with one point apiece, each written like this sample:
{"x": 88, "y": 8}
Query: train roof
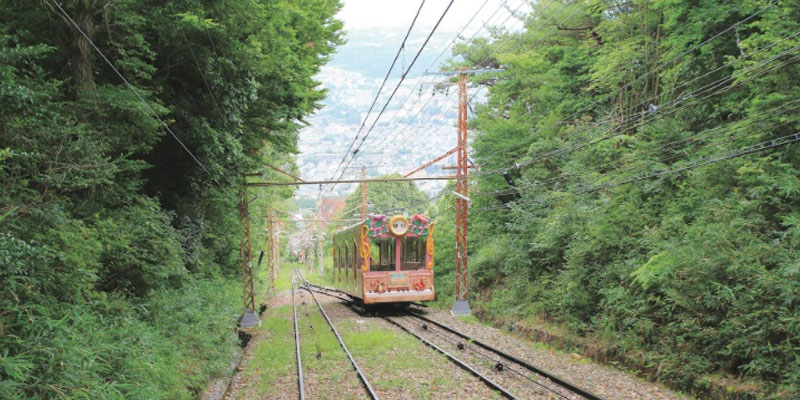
{"x": 378, "y": 225}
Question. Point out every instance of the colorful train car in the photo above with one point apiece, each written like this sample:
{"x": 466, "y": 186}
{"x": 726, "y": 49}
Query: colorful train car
{"x": 385, "y": 259}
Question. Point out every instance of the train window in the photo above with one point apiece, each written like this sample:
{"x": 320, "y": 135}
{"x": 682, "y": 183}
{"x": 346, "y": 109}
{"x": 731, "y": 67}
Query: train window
{"x": 374, "y": 255}
{"x": 382, "y": 256}
{"x": 356, "y": 258}
{"x": 338, "y": 264}
{"x": 413, "y": 253}
{"x": 387, "y": 254}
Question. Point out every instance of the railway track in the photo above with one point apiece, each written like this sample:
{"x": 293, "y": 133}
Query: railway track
{"x": 519, "y": 377}
{"x": 362, "y": 377}
{"x": 300, "y": 385}
{"x": 512, "y": 377}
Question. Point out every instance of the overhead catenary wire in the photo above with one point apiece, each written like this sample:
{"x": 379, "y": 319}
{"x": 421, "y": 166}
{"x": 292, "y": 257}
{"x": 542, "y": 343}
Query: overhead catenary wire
{"x": 706, "y": 41}
{"x": 590, "y": 140}
{"x": 552, "y": 17}
{"x": 755, "y": 148}
{"x": 402, "y": 78}
{"x": 643, "y": 115}
{"x": 440, "y": 108}
{"x": 674, "y": 58}
{"x": 380, "y": 89}
{"x": 483, "y": 26}
{"x": 478, "y": 91}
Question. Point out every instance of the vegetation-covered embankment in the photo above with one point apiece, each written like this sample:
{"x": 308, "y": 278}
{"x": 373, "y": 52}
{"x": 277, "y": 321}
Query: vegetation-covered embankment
{"x": 632, "y": 211}
{"x": 119, "y": 239}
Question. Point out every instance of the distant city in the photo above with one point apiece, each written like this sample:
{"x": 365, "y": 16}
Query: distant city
{"x": 404, "y": 138}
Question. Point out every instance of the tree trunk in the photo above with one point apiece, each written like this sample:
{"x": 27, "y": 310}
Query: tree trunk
{"x": 82, "y": 71}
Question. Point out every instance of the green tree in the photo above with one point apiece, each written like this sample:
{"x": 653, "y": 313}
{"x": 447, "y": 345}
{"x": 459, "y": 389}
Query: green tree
{"x": 696, "y": 269}
{"x": 390, "y": 198}
{"x": 119, "y": 249}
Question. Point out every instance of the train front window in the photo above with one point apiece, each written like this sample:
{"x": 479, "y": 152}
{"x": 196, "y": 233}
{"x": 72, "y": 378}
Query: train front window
{"x": 382, "y": 253}
{"x": 413, "y": 253}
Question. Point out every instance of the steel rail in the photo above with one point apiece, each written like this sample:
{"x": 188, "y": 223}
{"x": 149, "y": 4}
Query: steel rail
{"x": 300, "y": 385}
{"x": 561, "y": 381}
{"x": 555, "y": 378}
{"x": 360, "y": 373}
{"x": 455, "y": 360}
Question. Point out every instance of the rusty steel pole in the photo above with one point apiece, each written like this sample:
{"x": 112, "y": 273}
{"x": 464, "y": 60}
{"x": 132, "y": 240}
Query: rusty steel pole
{"x": 276, "y": 249}
{"x": 363, "y": 194}
{"x": 249, "y": 317}
{"x": 271, "y": 248}
{"x": 461, "y": 305}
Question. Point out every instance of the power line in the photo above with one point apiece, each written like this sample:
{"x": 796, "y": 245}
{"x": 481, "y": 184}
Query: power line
{"x": 402, "y": 78}
{"x": 377, "y": 95}
{"x": 672, "y": 90}
{"x": 714, "y": 132}
{"x": 670, "y": 61}
{"x": 439, "y": 109}
{"x": 596, "y": 139}
{"x": 477, "y": 92}
{"x": 755, "y": 148}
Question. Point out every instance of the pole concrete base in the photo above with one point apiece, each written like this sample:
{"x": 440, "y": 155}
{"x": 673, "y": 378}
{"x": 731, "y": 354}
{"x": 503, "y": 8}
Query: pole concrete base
{"x": 461, "y": 309}
{"x": 249, "y": 319}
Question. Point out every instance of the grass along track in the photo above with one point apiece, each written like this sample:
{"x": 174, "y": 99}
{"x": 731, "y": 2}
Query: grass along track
{"x": 353, "y": 362}
{"x": 506, "y": 381}
{"x": 398, "y": 365}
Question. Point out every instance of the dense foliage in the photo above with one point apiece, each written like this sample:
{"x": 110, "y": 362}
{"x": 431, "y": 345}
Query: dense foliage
{"x": 616, "y": 199}
{"x": 119, "y": 250}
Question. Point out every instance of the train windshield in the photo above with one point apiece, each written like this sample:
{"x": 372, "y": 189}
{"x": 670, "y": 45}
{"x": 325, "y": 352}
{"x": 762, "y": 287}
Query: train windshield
{"x": 382, "y": 254}
{"x": 413, "y": 253}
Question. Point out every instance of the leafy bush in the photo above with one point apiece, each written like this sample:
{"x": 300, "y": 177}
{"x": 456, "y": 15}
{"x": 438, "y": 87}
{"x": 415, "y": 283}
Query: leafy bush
{"x": 616, "y": 228}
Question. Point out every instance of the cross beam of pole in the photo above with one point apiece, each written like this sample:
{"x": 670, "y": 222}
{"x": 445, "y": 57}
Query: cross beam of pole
{"x": 372, "y": 180}
{"x": 278, "y": 170}
{"x": 431, "y": 162}
{"x": 465, "y": 71}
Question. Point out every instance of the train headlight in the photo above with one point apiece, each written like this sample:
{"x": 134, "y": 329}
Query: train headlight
{"x": 398, "y": 225}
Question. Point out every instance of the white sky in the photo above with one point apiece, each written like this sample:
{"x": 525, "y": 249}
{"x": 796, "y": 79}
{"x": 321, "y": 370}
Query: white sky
{"x": 397, "y": 14}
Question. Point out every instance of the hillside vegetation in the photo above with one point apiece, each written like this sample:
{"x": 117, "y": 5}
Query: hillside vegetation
{"x": 639, "y": 186}
{"x": 119, "y": 239}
